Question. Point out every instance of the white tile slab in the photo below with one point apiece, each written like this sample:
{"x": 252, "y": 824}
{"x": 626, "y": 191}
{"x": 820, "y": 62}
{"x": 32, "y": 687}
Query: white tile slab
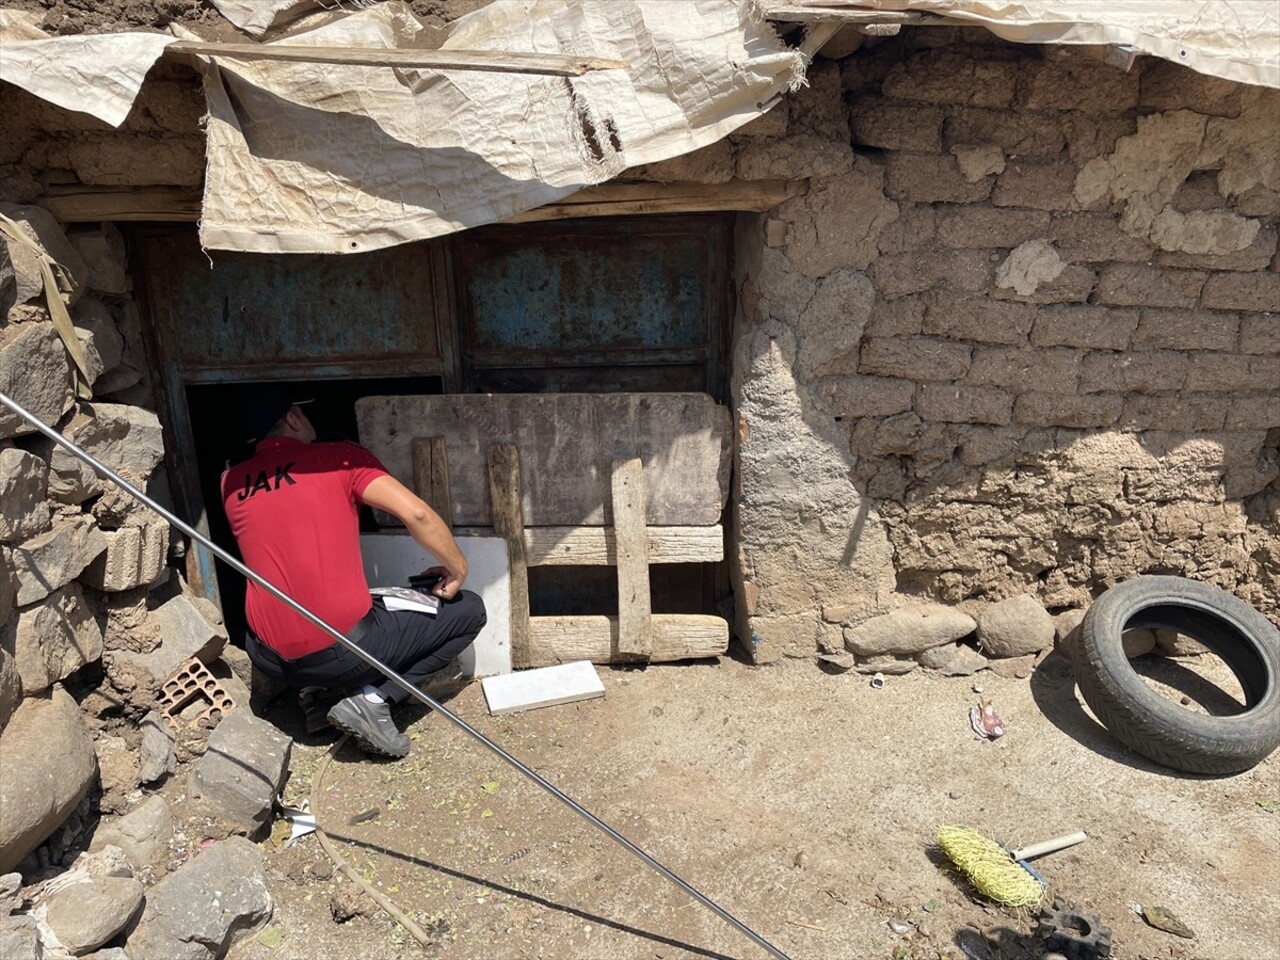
{"x": 391, "y": 558}
{"x": 543, "y": 687}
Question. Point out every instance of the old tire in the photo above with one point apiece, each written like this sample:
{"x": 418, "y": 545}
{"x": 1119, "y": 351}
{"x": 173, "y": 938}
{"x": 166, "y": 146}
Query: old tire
{"x": 1158, "y": 728}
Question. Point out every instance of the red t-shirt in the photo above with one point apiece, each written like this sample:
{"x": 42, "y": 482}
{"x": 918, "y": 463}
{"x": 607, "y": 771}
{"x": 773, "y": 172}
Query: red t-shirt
{"x": 293, "y": 510}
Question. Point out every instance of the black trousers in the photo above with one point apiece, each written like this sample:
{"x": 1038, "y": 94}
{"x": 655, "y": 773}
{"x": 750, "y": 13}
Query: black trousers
{"x": 415, "y": 645}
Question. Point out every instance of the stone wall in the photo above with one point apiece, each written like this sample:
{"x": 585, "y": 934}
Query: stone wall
{"x": 1019, "y": 337}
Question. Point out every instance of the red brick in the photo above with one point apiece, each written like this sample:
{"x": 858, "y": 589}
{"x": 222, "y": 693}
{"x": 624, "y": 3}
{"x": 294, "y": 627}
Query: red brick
{"x": 1043, "y": 369}
{"x": 1096, "y": 328}
{"x": 1137, "y": 285}
{"x": 914, "y": 358}
{"x": 1232, "y": 372}
{"x": 1055, "y": 410}
{"x": 1154, "y": 371}
{"x": 1243, "y": 291}
{"x": 1186, "y": 330}
{"x": 949, "y": 403}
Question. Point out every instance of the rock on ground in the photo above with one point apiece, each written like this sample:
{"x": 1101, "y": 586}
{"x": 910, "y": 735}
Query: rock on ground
{"x": 908, "y": 630}
{"x": 1013, "y": 627}
{"x": 184, "y": 634}
{"x": 143, "y": 833}
{"x": 19, "y": 937}
{"x": 48, "y": 762}
{"x": 953, "y": 660}
{"x": 156, "y": 759}
{"x": 86, "y": 915}
{"x": 203, "y": 907}
{"x": 241, "y": 772}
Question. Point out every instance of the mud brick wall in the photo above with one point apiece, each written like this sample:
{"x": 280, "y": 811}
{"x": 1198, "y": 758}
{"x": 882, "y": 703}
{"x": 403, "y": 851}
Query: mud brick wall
{"x": 1020, "y": 336}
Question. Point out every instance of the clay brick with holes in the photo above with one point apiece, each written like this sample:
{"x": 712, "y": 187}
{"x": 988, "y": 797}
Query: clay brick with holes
{"x": 190, "y": 684}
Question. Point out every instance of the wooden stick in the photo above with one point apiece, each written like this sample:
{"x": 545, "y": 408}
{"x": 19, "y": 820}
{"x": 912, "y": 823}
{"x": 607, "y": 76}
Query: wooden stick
{"x": 508, "y": 522}
{"x": 544, "y": 64}
{"x": 634, "y": 630}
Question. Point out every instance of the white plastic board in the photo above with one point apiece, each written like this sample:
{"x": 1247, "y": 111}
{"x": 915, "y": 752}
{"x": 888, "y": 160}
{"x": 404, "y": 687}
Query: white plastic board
{"x": 391, "y": 558}
{"x": 543, "y": 687}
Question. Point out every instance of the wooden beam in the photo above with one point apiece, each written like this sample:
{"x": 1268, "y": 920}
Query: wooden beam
{"x": 675, "y": 637}
{"x": 90, "y": 204}
{"x": 597, "y": 546}
{"x": 431, "y": 476}
{"x": 619, "y": 199}
{"x": 493, "y": 61}
{"x": 634, "y": 608}
{"x": 506, "y": 498}
{"x": 810, "y": 13}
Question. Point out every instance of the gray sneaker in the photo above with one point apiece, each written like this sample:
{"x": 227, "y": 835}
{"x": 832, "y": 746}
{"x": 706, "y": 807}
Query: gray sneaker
{"x": 371, "y": 725}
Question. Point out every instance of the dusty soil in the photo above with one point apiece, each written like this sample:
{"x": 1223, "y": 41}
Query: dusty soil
{"x": 805, "y": 804}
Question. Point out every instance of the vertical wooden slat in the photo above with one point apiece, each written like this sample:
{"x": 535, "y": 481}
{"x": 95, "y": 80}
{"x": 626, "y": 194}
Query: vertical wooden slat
{"x": 431, "y": 475}
{"x": 635, "y": 636}
{"x": 508, "y": 522}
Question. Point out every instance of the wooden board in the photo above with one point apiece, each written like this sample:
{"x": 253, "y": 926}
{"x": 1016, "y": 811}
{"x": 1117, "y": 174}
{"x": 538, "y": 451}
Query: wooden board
{"x": 633, "y": 559}
{"x": 675, "y": 637}
{"x": 567, "y": 445}
{"x": 544, "y": 687}
{"x": 431, "y": 475}
{"x": 503, "y": 470}
{"x": 597, "y": 546}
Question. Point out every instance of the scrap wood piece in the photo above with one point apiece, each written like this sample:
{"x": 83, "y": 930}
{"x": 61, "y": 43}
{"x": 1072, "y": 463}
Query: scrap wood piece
{"x": 508, "y": 522}
{"x": 543, "y": 687}
{"x": 634, "y": 609}
{"x": 494, "y": 61}
{"x": 676, "y": 636}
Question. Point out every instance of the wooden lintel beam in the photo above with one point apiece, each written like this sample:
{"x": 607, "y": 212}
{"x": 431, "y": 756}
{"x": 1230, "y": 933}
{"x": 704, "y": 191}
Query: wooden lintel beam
{"x": 597, "y": 546}
{"x": 595, "y": 638}
{"x": 795, "y": 13}
{"x": 543, "y": 64}
{"x": 90, "y": 204}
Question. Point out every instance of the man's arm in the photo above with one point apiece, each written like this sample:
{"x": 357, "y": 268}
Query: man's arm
{"x": 424, "y": 525}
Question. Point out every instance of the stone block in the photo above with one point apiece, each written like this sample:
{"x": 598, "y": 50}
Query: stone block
{"x": 1214, "y": 372}
{"x": 952, "y": 660}
{"x": 101, "y": 247}
{"x": 1154, "y": 371}
{"x": 53, "y": 639}
{"x": 953, "y": 76}
{"x": 1186, "y": 330}
{"x": 155, "y": 757}
{"x": 1089, "y": 327}
{"x": 134, "y": 557}
{"x": 914, "y": 358}
{"x": 1171, "y": 86}
{"x": 47, "y": 757}
{"x": 897, "y": 276}
{"x": 238, "y": 777}
{"x": 1055, "y": 410}
{"x": 200, "y": 910}
{"x": 1184, "y": 413}
{"x": 184, "y": 634}
{"x": 86, "y": 915}
{"x": 1046, "y": 369}
{"x": 896, "y": 318}
{"x": 24, "y": 482}
{"x": 126, "y": 438}
{"x": 53, "y": 559}
{"x": 803, "y": 155}
{"x": 1138, "y": 285}
{"x": 1253, "y": 292}
{"x": 881, "y": 123}
{"x": 143, "y": 833}
{"x": 36, "y": 373}
{"x": 979, "y": 319}
{"x": 1014, "y": 627}
{"x": 1260, "y": 333}
{"x": 915, "y": 227}
{"x": 1038, "y": 186}
{"x": 10, "y": 687}
{"x": 931, "y": 178}
{"x": 908, "y": 630}
{"x": 1254, "y": 412}
{"x": 1017, "y": 134}
{"x": 39, "y": 224}
{"x": 949, "y": 403}
{"x": 1095, "y": 238}
{"x": 1076, "y": 83}
{"x": 838, "y": 222}
{"x": 987, "y": 227}
{"x": 867, "y": 396}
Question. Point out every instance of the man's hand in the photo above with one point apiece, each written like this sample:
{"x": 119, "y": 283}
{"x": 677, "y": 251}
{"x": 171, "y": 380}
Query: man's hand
{"x": 438, "y": 581}
{"x": 425, "y": 526}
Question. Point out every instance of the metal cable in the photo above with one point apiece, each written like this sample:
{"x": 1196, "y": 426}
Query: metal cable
{"x": 390, "y": 674}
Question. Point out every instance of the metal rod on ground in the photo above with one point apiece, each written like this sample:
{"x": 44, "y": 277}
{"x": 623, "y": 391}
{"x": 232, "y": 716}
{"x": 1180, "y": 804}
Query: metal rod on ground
{"x": 390, "y": 674}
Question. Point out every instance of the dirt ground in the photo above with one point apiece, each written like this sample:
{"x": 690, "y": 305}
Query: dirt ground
{"x": 802, "y": 803}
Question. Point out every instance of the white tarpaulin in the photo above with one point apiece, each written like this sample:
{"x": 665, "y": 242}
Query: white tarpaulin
{"x": 1233, "y": 39}
{"x": 327, "y": 158}
{"x": 256, "y": 17}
